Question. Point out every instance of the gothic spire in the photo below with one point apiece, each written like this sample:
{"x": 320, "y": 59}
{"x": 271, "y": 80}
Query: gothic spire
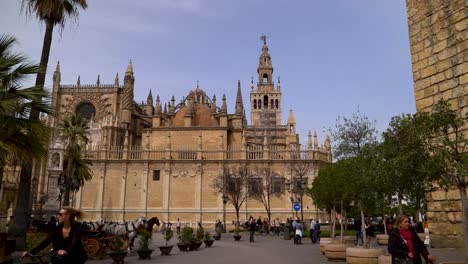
{"x": 116, "y": 81}
{"x": 78, "y": 82}
{"x": 129, "y": 68}
{"x": 98, "y": 82}
{"x": 224, "y": 105}
{"x": 239, "y": 103}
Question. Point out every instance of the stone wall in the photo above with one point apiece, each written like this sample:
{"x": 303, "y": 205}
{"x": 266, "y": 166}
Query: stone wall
{"x": 438, "y": 31}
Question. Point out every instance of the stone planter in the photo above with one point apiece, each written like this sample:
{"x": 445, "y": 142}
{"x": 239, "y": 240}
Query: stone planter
{"x": 208, "y": 243}
{"x": 384, "y": 259}
{"x": 350, "y": 240}
{"x": 336, "y": 251}
{"x": 118, "y": 257}
{"x": 237, "y": 237}
{"x": 324, "y": 241}
{"x": 363, "y": 255}
{"x": 145, "y": 253}
{"x": 165, "y": 250}
{"x": 382, "y": 239}
{"x": 183, "y": 246}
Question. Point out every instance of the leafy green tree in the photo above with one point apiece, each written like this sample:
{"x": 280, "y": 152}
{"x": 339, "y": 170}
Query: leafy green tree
{"x": 407, "y": 165}
{"x": 448, "y": 146}
{"x": 74, "y": 133}
{"x": 22, "y": 138}
{"x": 354, "y": 139}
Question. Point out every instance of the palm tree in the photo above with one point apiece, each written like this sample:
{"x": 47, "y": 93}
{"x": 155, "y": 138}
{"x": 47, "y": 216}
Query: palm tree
{"x": 52, "y": 13}
{"x": 76, "y": 169}
{"x": 21, "y": 138}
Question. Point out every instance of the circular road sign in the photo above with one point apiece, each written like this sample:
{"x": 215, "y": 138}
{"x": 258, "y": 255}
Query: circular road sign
{"x": 297, "y": 207}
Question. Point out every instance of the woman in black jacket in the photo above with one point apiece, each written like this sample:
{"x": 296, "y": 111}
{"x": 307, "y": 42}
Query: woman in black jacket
{"x": 65, "y": 238}
{"x": 404, "y": 243}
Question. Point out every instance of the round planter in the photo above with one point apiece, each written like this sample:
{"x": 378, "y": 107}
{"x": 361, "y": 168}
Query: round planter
{"x": 165, "y": 250}
{"x": 183, "y": 246}
{"x": 336, "y": 251}
{"x": 384, "y": 259}
{"x": 118, "y": 257}
{"x": 237, "y": 237}
{"x": 145, "y": 254}
{"x": 323, "y": 242}
{"x": 350, "y": 240}
{"x": 382, "y": 239}
{"x": 363, "y": 255}
{"x": 208, "y": 243}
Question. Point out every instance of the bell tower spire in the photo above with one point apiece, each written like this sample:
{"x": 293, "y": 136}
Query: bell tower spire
{"x": 265, "y": 100}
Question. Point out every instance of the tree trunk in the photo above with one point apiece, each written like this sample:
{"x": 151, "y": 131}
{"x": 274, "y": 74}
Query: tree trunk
{"x": 302, "y": 213}
{"x": 66, "y": 194}
{"x": 334, "y": 222}
{"x": 363, "y": 226}
{"x": 40, "y": 79}
{"x": 22, "y": 210}
{"x": 341, "y": 223}
{"x": 417, "y": 210}
{"x": 464, "y": 200}
{"x": 400, "y": 205}
{"x": 385, "y": 224}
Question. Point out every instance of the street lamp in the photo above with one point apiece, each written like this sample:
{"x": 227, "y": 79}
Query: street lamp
{"x": 34, "y": 183}
{"x": 225, "y": 200}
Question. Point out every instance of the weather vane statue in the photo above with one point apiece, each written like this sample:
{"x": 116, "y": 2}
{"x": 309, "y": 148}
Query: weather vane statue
{"x": 263, "y": 38}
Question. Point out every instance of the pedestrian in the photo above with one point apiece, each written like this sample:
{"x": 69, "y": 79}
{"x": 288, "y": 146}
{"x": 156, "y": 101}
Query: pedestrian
{"x": 427, "y": 240}
{"x": 252, "y": 226}
{"x": 404, "y": 244}
{"x": 358, "y": 230}
{"x": 65, "y": 238}
{"x": 317, "y": 231}
{"x": 311, "y": 230}
{"x": 178, "y": 226}
{"x": 370, "y": 232}
{"x": 298, "y": 232}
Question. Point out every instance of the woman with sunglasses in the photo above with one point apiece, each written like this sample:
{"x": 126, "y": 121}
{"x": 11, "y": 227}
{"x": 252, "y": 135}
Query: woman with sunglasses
{"x": 65, "y": 238}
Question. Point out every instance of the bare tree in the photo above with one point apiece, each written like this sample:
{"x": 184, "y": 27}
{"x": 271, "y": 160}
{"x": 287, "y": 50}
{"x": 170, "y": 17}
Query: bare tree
{"x": 264, "y": 185}
{"x": 232, "y": 183}
{"x": 299, "y": 168}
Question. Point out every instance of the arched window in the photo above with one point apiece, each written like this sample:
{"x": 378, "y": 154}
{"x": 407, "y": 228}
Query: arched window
{"x": 259, "y": 104}
{"x": 86, "y": 110}
{"x": 265, "y": 101}
{"x": 265, "y": 78}
{"x": 276, "y": 104}
{"x": 255, "y": 104}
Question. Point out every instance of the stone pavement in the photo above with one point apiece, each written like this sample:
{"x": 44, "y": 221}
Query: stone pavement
{"x": 266, "y": 249}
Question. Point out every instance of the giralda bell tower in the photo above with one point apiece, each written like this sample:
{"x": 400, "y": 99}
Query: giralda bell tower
{"x": 265, "y": 99}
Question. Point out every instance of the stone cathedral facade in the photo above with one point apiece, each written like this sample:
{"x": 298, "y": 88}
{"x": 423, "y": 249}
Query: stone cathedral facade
{"x": 160, "y": 158}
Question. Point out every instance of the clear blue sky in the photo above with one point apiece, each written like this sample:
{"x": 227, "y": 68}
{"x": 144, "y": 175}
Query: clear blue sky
{"x": 333, "y": 56}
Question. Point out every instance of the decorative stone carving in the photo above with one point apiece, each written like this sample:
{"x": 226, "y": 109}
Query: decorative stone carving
{"x": 98, "y": 100}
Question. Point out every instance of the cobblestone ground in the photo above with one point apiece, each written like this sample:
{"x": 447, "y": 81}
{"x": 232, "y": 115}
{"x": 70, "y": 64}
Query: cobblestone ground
{"x": 266, "y": 249}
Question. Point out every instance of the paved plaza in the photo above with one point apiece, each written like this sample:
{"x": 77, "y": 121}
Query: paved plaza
{"x": 266, "y": 249}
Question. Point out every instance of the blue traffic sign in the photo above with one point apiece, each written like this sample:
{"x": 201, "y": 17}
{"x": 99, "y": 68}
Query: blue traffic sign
{"x": 297, "y": 207}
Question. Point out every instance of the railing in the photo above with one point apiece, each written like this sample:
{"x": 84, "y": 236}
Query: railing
{"x": 253, "y": 152}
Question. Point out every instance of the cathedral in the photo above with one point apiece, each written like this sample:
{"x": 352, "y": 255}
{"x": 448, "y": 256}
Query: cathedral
{"x": 161, "y": 158}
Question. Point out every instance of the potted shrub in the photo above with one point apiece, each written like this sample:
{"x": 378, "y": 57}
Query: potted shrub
{"x": 166, "y": 250}
{"x": 218, "y": 233}
{"x": 196, "y": 241}
{"x": 118, "y": 250}
{"x": 207, "y": 239}
{"x": 144, "y": 252}
{"x": 184, "y": 238}
{"x": 237, "y": 235}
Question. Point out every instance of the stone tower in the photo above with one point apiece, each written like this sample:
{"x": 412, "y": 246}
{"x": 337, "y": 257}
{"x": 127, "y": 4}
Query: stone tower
{"x": 439, "y": 53}
{"x": 265, "y": 99}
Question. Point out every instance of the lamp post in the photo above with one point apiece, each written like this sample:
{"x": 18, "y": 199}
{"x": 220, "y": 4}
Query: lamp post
{"x": 224, "y": 212}
{"x": 34, "y": 183}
